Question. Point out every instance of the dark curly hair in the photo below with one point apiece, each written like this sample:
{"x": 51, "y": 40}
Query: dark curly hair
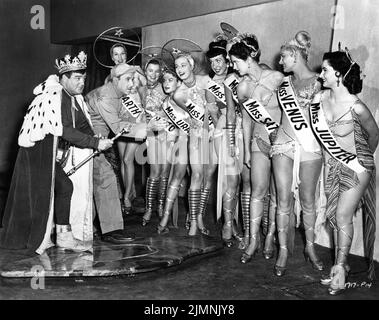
{"x": 246, "y": 47}
{"x": 350, "y": 71}
{"x": 217, "y": 48}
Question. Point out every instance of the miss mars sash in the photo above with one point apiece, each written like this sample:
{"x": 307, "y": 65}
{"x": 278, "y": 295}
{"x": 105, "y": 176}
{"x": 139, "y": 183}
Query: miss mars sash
{"x": 290, "y": 106}
{"x": 259, "y": 114}
{"x": 231, "y": 83}
{"x": 217, "y": 91}
{"x": 197, "y": 113}
{"x": 322, "y": 131}
{"x": 179, "y": 119}
{"x": 130, "y": 104}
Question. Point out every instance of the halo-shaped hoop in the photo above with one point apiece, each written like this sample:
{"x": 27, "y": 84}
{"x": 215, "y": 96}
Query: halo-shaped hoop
{"x": 229, "y": 30}
{"x": 154, "y": 52}
{"x": 111, "y": 36}
{"x": 180, "y": 46}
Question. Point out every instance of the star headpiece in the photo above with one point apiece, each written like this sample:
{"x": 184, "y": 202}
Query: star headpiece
{"x": 352, "y": 62}
{"x": 69, "y": 63}
{"x": 152, "y": 53}
{"x": 180, "y": 47}
{"x": 129, "y": 39}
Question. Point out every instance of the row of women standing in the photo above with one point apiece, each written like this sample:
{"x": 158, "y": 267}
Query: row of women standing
{"x": 268, "y": 134}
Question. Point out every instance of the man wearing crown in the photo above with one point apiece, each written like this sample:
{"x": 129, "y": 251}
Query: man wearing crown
{"x": 55, "y": 136}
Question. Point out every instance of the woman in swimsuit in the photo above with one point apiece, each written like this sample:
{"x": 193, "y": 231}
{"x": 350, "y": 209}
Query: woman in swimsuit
{"x": 293, "y": 161}
{"x": 350, "y": 178}
{"x": 156, "y": 142}
{"x": 179, "y": 154}
{"x": 261, "y": 85}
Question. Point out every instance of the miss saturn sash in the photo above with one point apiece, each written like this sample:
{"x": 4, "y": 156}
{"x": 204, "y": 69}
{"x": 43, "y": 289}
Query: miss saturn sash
{"x": 259, "y": 114}
{"x": 130, "y": 104}
{"x": 179, "y": 119}
{"x": 322, "y": 131}
{"x": 217, "y": 91}
{"x": 232, "y": 82}
{"x": 197, "y": 113}
{"x": 298, "y": 122}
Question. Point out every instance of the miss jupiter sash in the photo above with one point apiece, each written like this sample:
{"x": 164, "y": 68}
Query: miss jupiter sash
{"x": 259, "y": 114}
{"x": 290, "y": 106}
{"x": 231, "y": 83}
{"x": 130, "y": 104}
{"x": 197, "y": 113}
{"x": 178, "y": 118}
{"x": 217, "y": 91}
{"x": 322, "y": 131}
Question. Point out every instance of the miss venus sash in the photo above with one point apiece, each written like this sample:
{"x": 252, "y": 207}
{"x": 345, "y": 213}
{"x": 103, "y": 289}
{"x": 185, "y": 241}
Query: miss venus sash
{"x": 130, "y": 104}
{"x": 259, "y": 114}
{"x": 180, "y": 120}
{"x": 232, "y": 82}
{"x": 217, "y": 91}
{"x": 292, "y": 110}
{"x": 322, "y": 131}
{"x": 197, "y": 113}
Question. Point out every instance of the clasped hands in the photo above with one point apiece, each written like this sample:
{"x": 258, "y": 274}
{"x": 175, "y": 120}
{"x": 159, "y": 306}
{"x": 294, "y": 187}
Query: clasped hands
{"x": 104, "y": 143}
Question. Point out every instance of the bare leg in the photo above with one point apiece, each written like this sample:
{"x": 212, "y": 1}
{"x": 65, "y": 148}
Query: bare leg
{"x": 309, "y": 175}
{"x": 260, "y": 178}
{"x": 282, "y": 166}
{"x": 270, "y": 236}
{"x": 172, "y": 194}
{"x": 346, "y": 207}
{"x": 152, "y": 185}
{"x": 128, "y": 161}
{"x": 121, "y": 146}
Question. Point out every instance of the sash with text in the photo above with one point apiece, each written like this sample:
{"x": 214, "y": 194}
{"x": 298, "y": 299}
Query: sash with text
{"x": 322, "y": 131}
{"x": 291, "y": 108}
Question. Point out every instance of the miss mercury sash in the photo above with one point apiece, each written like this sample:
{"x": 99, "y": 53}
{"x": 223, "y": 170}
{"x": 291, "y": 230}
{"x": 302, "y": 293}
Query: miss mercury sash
{"x": 179, "y": 119}
{"x": 130, "y": 104}
{"x": 231, "y": 83}
{"x": 300, "y": 126}
{"x": 197, "y": 113}
{"x": 322, "y": 131}
{"x": 259, "y": 114}
{"x": 217, "y": 91}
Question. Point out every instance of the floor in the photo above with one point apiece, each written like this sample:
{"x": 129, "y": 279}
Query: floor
{"x": 217, "y": 275}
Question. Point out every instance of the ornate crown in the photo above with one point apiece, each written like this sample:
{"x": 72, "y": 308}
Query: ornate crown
{"x": 69, "y": 63}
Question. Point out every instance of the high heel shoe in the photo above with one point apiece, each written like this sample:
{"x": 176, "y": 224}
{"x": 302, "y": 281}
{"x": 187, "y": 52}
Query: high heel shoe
{"x": 326, "y": 280}
{"x": 228, "y": 242}
{"x": 279, "y": 271}
{"x": 187, "y": 223}
{"x": 204, "y": 231}
{"x": 337, "y": 285}
{"x": 162, "y": 230}
{"x": 145, "y": 222}
{"x": 126, "y": 210}
{"x": 316, "y": 265}
{"x": 268, "y": 254}
{"x": 245, "y": 258}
